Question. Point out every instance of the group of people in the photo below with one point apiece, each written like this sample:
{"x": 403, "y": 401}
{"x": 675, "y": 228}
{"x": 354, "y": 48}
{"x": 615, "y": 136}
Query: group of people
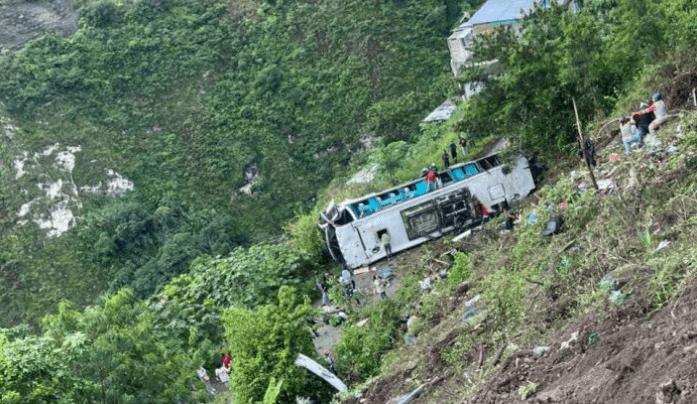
{"x": 464, "y": 143}
{"x": 431, "y": 172}
{"x": 643, "y": 122}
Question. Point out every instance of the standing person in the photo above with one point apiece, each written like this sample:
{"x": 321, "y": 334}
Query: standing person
{"x": 431, "y": 180}
{"x": 485, "y": 214}
{"x": 330, "y": 361}
{"x": 463, "y": 146}
{"x": 446, "y": 159}
{"x": 227, "y": 358}
{"x": 379, "y": 288}
{"x": 589, "y": 151}
{"x": 453, "y": 152}
{"x": 385, "y": 238}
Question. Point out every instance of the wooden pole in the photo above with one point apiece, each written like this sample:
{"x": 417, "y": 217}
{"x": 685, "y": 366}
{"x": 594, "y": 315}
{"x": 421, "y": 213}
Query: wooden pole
{"x": 580, "y": 142}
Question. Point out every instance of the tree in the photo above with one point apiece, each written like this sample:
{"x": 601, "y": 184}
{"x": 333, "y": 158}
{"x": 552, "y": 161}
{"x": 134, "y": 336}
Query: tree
{"x": 120, "y": 353}
{"x": 33, "y": 371}
{"x": 264, "y": 344}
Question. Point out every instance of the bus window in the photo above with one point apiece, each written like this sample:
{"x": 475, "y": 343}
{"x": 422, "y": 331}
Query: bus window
{"x": 489, "y": 162}
{"x": 470, "y": 170}
{"x": 458, "y": 174}
{"x": 445, "y": 178}
{"x": 345, "y": 217}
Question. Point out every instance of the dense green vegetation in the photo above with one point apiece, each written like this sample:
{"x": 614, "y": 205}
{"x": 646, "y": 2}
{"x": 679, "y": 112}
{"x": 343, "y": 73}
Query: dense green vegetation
{"x": 181, "y": 96}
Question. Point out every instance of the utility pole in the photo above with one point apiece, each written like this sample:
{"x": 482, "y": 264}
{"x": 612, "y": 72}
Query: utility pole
{"x": 580, "y": 143}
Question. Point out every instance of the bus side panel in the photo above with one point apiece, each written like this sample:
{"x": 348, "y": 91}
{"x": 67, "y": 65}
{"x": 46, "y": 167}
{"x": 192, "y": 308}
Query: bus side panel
{"x": 351, "y": 245}
{"x": 370, "y": 228}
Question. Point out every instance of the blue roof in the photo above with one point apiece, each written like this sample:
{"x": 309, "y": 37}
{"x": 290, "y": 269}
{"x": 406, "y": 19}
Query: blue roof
{"x": 502, "y": 10}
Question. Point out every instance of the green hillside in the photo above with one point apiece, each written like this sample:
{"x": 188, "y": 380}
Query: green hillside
{"x": 180, "y": 97}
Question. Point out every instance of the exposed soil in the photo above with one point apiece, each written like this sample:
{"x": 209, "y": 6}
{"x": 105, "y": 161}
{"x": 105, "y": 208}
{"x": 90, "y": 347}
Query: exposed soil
{"x": 22, "y": 20}
{"x": 636, "y": 359}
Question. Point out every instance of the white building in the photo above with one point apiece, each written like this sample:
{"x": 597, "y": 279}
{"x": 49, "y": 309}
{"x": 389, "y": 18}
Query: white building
{"x": 492, "y": 14}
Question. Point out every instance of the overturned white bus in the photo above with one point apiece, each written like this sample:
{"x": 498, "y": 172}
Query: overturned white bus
{"x": 411, "y": 215}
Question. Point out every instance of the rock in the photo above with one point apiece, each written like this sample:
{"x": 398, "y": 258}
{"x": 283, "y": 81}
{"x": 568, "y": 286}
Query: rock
{"x": 425, "y": 285}
{"x": 668, "y": 393}
{"x": 463, "y": 288}
{"x": 412, "y": 320}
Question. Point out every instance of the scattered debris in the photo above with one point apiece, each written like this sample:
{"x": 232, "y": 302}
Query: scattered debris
{"x": 651, "y": 144}
{"x": 614, "y": 157}
{"x": 554, "y": 225}
{"x": 663, "y": 244}
{"x": 593, "y": 339}
{"x": 425, "y": 285}
{"x": 314, "y": 367}
{"x": 570, "y": 342}
{"x": 609, "y": 281}
{"x": 532, "y": 218}
{"x": 618, "y": 297}
{"x": 472, "y": 309}
{"x": 540, "y": 350}
{"x": 407, "y": 398}
{"x": 606, "y": 184}
{"x": 362, "y": 322}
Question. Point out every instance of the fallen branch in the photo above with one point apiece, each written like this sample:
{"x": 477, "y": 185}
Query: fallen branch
{"x": 533, "y": 281}
{"x": 497, "y": 355}
{"x": 568, "y": 245}
{"x": 481, "y": 356}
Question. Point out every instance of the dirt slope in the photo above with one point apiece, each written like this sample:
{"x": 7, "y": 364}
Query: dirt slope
{"x": 625, "y": 358}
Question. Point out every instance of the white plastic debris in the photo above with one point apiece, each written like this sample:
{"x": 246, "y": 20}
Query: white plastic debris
{"x": 663, "y": 244}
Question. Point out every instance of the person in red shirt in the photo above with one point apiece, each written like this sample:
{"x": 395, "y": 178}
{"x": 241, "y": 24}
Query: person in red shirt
{"x": 485, "y": 214}
{"x": 431, "y": 180}
{"x": 226, "y": 360}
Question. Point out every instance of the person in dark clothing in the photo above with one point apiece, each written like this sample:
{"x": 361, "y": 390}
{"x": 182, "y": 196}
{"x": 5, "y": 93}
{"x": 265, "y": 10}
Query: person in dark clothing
{"x": 463, "y": 145}
{"x": 453, "y": 151}
{"x": 643, "y": 121}
{"x": 589, "y": 151}
{"x": 446, "y": 159}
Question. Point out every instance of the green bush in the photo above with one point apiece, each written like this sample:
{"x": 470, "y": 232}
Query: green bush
{"x": 360, "y": 350}
{"x": 461, "y": 270}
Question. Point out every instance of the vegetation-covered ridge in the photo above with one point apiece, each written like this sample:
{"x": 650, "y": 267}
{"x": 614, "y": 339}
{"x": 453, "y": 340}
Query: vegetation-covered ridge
{"x": 189, "y": 100}
{"x": 217, "y": 290}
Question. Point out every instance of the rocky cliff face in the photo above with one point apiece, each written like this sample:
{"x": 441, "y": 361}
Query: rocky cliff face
{"x": 22, "y": 20}
{"x": 39, "y": 185}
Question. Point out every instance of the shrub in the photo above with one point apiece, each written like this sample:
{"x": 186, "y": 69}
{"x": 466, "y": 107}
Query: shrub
{"x": 461, "y": 270}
